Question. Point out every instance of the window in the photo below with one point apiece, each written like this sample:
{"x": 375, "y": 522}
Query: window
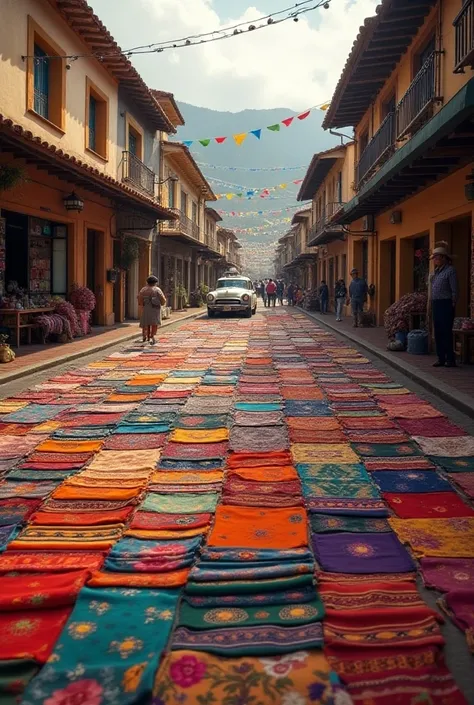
{"x": 46, "y": 77}
{"x": 41, "y": 73}
{"x": 97, "y": 120}
{"x": 184, "y": 202}
{"x": 363, "y": 142}
{"x": 134, "y": 140}
{"x": 422, "y": 56}
{"x": 171, "y": 194}
{"x": 194, "y": 212}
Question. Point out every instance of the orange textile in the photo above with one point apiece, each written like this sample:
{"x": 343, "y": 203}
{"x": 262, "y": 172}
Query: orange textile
{"x": 293, "y": 391}
{"x": 281, "y": 473}
{"x": 259, "y": 361}
{"x": 181, "y": 477}
{"x": 318, "y": 423}
{"x": 151, "y": 580}
{"x": 69, "y": 446}
{"x": 180, "y": 435}
{"x": 256, "y": 527}
{"x": 166, "y": 533}
{"x": 113, "y": 516}
{"x": 125, "y": 398}
{"x": 83, "y": 479}
{"x": 209, "y": 390}
{"x": 144, "y": 380}
{"x": 249, "y": 460}
{"x": 68, "y": 492}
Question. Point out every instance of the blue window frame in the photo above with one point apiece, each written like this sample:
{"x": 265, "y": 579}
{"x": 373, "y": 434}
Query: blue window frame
{"x": 92, "y": 123}
{"x": 41, "y": 82}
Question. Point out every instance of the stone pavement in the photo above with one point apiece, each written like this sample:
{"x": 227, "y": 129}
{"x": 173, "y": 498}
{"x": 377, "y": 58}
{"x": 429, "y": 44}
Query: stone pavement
{"x": 235, "y": 448}
{"x": 455, "y": 385}
{"x": 32, "y": 358}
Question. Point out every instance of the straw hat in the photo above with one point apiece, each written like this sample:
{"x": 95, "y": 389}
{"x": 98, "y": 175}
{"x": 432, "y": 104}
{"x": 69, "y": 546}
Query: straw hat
{"x": 442, "y": 248}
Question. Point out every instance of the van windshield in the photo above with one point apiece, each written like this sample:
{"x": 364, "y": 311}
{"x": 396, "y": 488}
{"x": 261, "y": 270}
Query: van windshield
{"x": 232, "y": 283}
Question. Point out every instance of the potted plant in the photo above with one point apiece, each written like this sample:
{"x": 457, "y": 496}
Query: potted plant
{"x": 182, "y": 295}
{"x": 195, "y": 299}
{"x": 130, "y": 252}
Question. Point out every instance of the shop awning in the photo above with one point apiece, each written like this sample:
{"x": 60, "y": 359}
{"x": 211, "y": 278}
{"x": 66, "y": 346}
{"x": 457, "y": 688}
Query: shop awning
{"x": 23, "y": 144}
{"x": 444, "y": 144}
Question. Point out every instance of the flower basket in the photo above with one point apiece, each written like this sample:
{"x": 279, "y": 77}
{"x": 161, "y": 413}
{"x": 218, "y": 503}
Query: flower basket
{"x": 6, "y": 353}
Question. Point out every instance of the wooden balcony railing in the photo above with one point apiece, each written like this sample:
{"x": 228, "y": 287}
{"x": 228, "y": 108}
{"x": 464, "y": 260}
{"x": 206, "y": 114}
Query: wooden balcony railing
{"x": 324, "y": 222}
{"x": 211, "y": 241}
{"x": 420, "y": 96}
{"x": 464, "y": 37}
{"x": 135, "y": 172}
{"x": 378, "y": 150}
{"x": 182, "y": 224}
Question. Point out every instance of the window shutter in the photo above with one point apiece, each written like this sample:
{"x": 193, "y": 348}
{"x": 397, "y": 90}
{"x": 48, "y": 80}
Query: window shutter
{"x": 41, "y": 82}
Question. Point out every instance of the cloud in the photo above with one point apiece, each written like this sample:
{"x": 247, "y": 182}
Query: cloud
{"x": 292, "y": 65}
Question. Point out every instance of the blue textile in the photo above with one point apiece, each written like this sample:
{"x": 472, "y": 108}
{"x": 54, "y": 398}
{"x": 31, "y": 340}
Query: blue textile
{"x": 142, "y": 428}
{"x": 255, "y": 406}
{"x": 112, "y": 636}
{"x": 7, "y": 533}
{"x": 190, "y": 464}
{"x": 307, "y": 408}
{"x": 411, "y": 481}
{"x": 35, "y": 413}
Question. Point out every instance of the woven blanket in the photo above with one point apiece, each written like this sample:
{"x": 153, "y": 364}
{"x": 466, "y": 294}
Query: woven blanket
{"x": 180, "y": 504}
{"x": 453, "y": 447}
{"x": 347, "y": 506}
{"x": 323, "y": 453}
{"x": 241, "y": 527}
{"x": 256, "y": 407}
{"x": 307, "y": 408}
{"x": 313, "y": 423}
{"x": 195, "y": 451}
{"x": 135, "y": 441}
{"x": 326, "y": 524}
{"x": 258, "y": 439}
{"x": 361, "y": 553}
{"x": 465, "y": 481}
{"x": 411, "y": 481}
{"x": 32, "y": 489}
{"x": 464, "y": 464}
{"x": 215, "y": 435}
{"x": 430, "y": 504}
{"x": 316, "y": 436}
{"x": 255, "y": 418}
{"x": 410, "y": 463}
{"x": 437, "y": 537}
{"x": 16, "y": 510}
{"x": 431, "y": 428}
{"x": 265, "y": 473}
{"x": 205, "y": 618}
{"x": 200, "y": 421}
{"x": 339, "y": 488}
{"x": 446, "y": 574}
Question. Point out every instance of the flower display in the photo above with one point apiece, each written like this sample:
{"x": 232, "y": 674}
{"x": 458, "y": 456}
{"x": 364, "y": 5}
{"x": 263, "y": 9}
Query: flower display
{"x": 397, "y": 316}
{"x": 67, "y": 310}
{"x": 187, "y": 671}
{"x": 82, "y": 298}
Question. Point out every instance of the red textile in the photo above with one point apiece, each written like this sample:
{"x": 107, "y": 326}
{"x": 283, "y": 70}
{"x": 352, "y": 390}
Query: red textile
{"x": 436, "y": 505}
{"x": 40, "y": 592}
{"x": 69, "y": 459}
{"x": 117, "y": 516}
{"x": 431, "y": 428}
{"x": 171, "y": 394}
{"x": 16, "y": 429}
{"x": 153, "y": 520}
{"x": 298, "y": 435}
{"x": 49, "y": 561}
{"x": 249, "y": 460}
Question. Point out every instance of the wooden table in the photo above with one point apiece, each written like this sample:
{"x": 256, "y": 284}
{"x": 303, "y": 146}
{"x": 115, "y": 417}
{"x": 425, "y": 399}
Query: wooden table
{"x": 465, "y": 337}
{"x": 17, "y": 313}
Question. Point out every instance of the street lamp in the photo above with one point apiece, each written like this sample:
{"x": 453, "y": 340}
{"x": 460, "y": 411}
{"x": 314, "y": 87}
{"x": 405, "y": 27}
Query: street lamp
{"x": 73, "y": 202}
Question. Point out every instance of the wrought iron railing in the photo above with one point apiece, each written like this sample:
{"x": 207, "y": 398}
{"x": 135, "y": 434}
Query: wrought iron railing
{"x": 182, "y": 224}
{"x": 324, "y": 222}
{"x": 420, "y": 96}
{"x": 464, "y": 37}
{"x": 211, "y": 241}
{"x": 137, "y": 173}
{"x": 379, "y": 148}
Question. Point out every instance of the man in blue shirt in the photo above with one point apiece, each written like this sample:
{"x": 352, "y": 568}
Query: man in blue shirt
{"x": 444, "y": 293}
{"x": 357, "y": 296}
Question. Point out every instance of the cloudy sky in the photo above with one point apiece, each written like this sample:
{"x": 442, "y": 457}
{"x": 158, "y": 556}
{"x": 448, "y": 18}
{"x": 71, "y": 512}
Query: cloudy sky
{"x": 293, "y": 65}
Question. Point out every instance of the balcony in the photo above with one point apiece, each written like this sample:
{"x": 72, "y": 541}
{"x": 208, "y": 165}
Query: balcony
{"x": 182, "y": 227}
{"x": 417, "y": 103}
{"x": 323, "y": 230}
{"x": 211, "y": 241}
{"x": 464, "y": 37}
{"x": 380, "y": 147}
{"x": 137, "y": 174}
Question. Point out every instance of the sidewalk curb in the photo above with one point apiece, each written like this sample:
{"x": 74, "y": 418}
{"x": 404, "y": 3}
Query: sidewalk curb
{"x": 462, "y": 402}
{"x": 70, "y": 357}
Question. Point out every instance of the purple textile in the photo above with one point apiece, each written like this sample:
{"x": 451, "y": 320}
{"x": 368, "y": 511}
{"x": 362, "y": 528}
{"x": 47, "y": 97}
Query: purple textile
{"x": 446, "y": 574}
{"x": 361, "y": 553}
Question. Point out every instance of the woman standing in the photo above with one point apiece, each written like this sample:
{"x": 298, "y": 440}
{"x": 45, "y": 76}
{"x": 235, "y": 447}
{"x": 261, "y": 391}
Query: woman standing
{"x": 340, "y": 294}
{"x": 152, "y": 299}
{"x": 443, "y": 294}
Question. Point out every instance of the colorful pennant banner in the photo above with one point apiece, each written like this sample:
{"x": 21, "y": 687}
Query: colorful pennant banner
{"x": 240, "y": 137}
{"x": 256, "y": 193}
{"x": 244, "y": 214}
{"x": 250, "y": 168}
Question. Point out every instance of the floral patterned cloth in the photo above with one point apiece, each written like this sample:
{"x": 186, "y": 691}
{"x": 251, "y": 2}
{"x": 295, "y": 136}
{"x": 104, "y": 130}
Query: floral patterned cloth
{"x": 300, "y": 678}
{"x": 437, "y": 537}
{"x": 130, "y": 626}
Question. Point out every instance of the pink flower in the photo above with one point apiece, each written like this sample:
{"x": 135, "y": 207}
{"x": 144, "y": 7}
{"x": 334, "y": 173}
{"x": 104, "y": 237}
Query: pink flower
{"x": 185, "y": 672}
{"x": 85, "y": 692}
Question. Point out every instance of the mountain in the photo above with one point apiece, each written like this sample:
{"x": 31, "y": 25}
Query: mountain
{"x": 291, "y": 146}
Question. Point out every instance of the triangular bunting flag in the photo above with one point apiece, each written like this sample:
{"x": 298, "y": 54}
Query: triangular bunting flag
{"x": 283, "y": 185}
{"x": 288, "y": 121}
{"x": 325, "y": 106}
{"x": 205, "y": 143}
{"x": 188, "y": 143}
{"x": 303, "y": 116}
{"x": 220, "y": 140}
{"x": 239, "y": 195}
{"x": 274, "y": 128}
{"x": 298, "y": 181}
{"x": 239, "y": 139}
{"x": 229, "y": 196}
{"x": 257, "y": 134}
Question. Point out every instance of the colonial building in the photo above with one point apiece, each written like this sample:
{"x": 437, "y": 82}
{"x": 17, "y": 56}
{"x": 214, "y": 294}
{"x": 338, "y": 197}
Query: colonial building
{"x": 229, "y": 248}
{"x": 302, "y": 267}
{"x": 78, "y": 142}
{"x": 328, "y": 182}
{"x": 408, "y": 90}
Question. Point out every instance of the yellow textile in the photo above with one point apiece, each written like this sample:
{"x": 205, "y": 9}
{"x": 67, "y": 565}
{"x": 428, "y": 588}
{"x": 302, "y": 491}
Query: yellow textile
{"x": 182, "y": 477}
{"x": 46, "y": 427}
{"x": 69, "y": 446}
{"x": 85, "y": 480}
{"x": 209, "y": 390}
{"x": 182, "y": 380}
{"x": 453, "y": 538}
{"x": 131, "y": 459}
{"x": 282, "y": 473}
{"x": 323, "y": 453}
{"x": 77, "y": 538}
{"x": 166, "y": 533}
{"x": 144, "y": 380}
{"x": 104, "y": 365}
{"x": 180, "y": 435}
{"x": 8, "y": 407}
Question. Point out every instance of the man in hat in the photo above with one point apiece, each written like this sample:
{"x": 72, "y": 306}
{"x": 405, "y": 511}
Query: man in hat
{"x": 443, "y": 294}
{"x": 357, "y": 296}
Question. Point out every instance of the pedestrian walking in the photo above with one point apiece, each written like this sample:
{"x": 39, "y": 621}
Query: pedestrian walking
{"x": 280, "y": 291}
{"x": 323, "y": 297}
{"x": 357, "y": 296}
{"x": 264, "y": 292}
{"x": 443, "y": 294}
{"x": 340, "y": 294}
{"x": 151, "y": 298}
{"x": 290, "y": 294}
{"x": 271, "y": 293}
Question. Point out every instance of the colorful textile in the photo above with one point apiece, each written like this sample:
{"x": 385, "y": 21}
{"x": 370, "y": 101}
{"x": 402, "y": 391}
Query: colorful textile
{"x": 259, "y": 528}
{"x": 154, "y": 520}
{"x": 247, "y": 641}
{"x": 16, "y": 447}
{"x": 465, "y": 481}
{"x": 257, "y": 407}
{"x": 437, "y": 537}
{"x": 16, "y": 510}
{"x": 203, "y": 618}
{"x": 309, "y": 423}
{"x": 170, "y": 579}
{"x": 200, "y": 451}
{"x": 339, "y": 488}
{"x": 34, "y": 538}
{"x": 257, "y": 459}
{"x": 431, "y": 428}
{"x": 381, "y": 450}
{"x": 27, "y": 489}
{"x": 428, "y": 505}
{"x": 34, "y": 413}
{"x": 49, "y": 561}
{"x": 361, "y": 553}
{"x": 280, "y": 473}
{"x": 135, "y": 441}
{"x": 282, "y": 597}
{"x": 322, "y": 524}
{"x": 411, "y": 481}
{"x": 101, "y": 623}
{"x": 199, "y": 435}
{"x": 459, "y": 605}
{"x": 410, "y": 463}
{"x": 368, "y": 595}
{"x": 347, "y": 506}
{"x": 307, "y": 408}
{"x": 465, "y": 464}
{"x": 446, "y": 574}
{"x": 200, "y": 421}
{"x": 323, "y": 453}
{"x": 258, "y": 439}
{"x": 113, "y": 516}
{"x": 180, "y": 504}
{"x": 453, "y": 447}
